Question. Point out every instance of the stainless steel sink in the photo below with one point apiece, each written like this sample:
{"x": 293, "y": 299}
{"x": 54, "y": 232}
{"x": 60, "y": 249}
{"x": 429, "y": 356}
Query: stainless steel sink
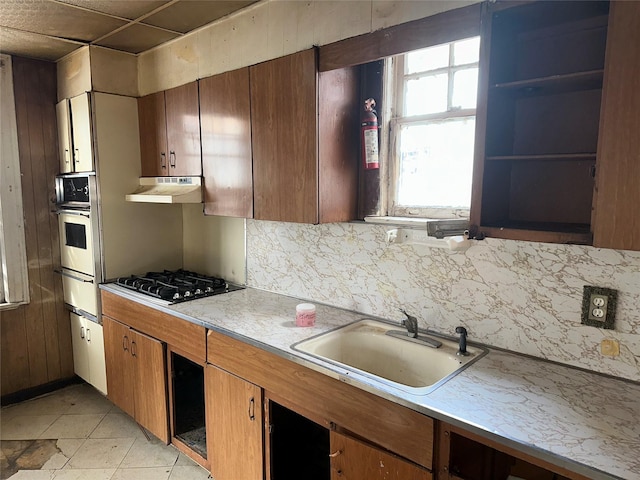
{"x": 365, "y": 347}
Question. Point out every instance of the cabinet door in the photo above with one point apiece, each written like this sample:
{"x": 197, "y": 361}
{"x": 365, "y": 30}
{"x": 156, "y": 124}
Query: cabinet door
{"x": 225, "y": 119}
{"x": 95, "y": 355}
{"x": 616, "y": 220}
{"x": 151, "y": 410}
{"x": 234, "y": 426}
{"x": 284, "y": 138}
{"x": 79, "y": 345}
{"x": 354, "y": 460}
{"x": 120, "y": 374}
{"x": 64, "y": 136}
{"x": 183, "y": 130}
{"x": 81, "y": 129}
{"x": 154, "y": 156}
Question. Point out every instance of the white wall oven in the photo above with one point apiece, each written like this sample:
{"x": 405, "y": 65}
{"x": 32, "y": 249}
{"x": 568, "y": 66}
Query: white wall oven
{"x": 79, "y": 254}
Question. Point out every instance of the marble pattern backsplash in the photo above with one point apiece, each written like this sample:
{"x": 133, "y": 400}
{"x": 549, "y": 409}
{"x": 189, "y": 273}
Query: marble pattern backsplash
{"x": 522, "y": 296}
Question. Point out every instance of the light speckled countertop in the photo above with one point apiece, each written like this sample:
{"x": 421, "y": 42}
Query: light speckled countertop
{"x": 586, "y": 422}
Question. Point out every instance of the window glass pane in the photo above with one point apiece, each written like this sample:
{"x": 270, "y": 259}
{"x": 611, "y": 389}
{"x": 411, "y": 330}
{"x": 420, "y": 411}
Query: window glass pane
{"x": 466, "y": 51}
{"x": 436, "y": 161}
{"x": 427, "y": 59}
{"x": 465, "y": 88}
{"x": 426, "y": 95}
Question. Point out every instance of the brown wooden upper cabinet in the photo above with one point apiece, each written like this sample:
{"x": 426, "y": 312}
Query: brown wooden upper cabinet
{"x": 616, "y": 221}
{"x": 225, "y": 119}
{"x": 556, "y": 144}
{"x": 542, "y": 69}
{"x": 304, "y": 129}
{"x": 170, "y": 132}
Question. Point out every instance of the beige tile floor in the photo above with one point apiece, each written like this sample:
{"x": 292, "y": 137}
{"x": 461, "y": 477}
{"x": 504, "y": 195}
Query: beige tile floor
{"x": 82, "y": 436}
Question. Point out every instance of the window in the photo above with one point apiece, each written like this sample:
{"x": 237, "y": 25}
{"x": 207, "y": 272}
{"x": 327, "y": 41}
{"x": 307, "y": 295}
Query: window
{"x": 432, "y": 130}
{"x": 14, "y": 288}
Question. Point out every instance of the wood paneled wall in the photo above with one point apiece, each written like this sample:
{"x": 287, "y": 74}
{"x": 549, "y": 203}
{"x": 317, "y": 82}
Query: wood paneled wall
{"x": 36, "y": 338}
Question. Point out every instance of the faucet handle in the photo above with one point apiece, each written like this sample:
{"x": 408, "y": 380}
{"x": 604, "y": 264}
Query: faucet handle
{"x": 462, "y": 347}
{"x": 411, "y": 323}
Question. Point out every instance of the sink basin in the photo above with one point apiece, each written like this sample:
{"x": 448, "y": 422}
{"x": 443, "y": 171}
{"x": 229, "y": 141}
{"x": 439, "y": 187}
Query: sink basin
{"x": 365, "y": 347}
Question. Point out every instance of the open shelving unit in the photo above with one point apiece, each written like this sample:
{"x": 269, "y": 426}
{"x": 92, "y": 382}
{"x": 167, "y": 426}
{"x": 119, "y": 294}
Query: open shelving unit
{"x": 536, "y": 146}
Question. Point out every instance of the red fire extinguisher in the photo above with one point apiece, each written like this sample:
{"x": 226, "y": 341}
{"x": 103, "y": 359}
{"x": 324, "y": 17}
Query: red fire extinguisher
{"x": 369, "y": 135}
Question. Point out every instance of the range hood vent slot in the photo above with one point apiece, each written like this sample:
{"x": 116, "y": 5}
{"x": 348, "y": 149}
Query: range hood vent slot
{"x": 168, "y": 190}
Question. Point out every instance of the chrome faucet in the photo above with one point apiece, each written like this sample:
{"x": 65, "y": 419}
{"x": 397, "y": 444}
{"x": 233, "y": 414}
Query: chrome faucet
{"x": 462, "y": 348}
{"x": 411, "y": 323}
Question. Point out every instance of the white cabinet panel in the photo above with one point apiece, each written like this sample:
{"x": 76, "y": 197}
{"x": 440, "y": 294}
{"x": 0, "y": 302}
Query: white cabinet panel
{"x": 88, "y": 351}
{"x": 80, "y": 354}
{"x": 64, "y": 136}
{"x": 97, "y": 367}
{"x": 81, "y": 130}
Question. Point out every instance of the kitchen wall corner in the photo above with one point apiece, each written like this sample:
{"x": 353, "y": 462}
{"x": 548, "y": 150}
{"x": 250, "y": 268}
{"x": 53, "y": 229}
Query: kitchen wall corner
{"x": 113, "y": 71}
{"x": 214, "y": 245}
{"x": 522, "y": 296}
{"x": 74, "y": 74}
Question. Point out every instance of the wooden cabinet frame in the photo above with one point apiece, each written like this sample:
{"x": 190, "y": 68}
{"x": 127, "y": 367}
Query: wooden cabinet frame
{"x": 445, "y": 432}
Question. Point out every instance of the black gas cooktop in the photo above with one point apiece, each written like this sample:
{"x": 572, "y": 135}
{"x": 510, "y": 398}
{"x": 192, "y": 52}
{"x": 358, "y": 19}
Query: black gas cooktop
{"x": 177, "y": 286}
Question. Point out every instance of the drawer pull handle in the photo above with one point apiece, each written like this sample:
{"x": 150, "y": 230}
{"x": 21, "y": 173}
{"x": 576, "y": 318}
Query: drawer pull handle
{"x": 125, "y": 343}
{"x": 133, "y": 349}
{"x": 88, "y": 335}
{"x": 335, "y": 454}
{"x": 163, "y": 160}
{"x": 81, "y": 332}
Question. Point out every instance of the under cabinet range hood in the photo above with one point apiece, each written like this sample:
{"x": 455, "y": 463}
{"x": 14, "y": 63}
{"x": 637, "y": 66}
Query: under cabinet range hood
{"x": 168, "y": 190}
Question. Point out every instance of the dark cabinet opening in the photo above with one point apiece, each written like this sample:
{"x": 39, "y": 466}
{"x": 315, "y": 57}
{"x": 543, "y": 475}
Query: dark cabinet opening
{"x": 471, "y": 460}
{"x": 538, "y": 142}
{"x": 299, "y": 447}
{"x": 188, "y": 404}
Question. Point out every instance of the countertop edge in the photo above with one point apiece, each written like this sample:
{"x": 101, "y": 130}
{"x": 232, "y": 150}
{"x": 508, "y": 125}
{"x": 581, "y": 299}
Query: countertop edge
{"x": 359, "y": 382}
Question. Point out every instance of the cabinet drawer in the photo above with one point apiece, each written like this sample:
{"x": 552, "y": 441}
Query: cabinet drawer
{"x": 185, "y": 336}
{"x": 392, "y": 426}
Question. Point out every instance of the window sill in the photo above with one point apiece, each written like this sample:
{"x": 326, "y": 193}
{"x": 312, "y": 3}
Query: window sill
{"x": 435, "y": 227}
{"x": 435, "y": 233}
{"x": 10, "y": 306}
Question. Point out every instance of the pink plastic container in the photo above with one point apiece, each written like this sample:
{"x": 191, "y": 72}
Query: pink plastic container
{"x": 305, "y": 315}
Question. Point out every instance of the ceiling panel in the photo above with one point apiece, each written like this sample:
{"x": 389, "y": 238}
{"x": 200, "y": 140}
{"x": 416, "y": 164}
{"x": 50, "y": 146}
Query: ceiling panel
{"x": 91, "y": 22}
{"x": 188, "y": 15}
{"x": 137, "y": 38}
{"x": 32, "y": 45}
{"x": 130, "y": 9}
{"x": 56, "y": 19}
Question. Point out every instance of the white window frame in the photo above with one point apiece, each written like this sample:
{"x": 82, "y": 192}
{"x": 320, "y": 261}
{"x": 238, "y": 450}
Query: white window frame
{"x": 14, "y": 281}
{"x": 395, "y": 78}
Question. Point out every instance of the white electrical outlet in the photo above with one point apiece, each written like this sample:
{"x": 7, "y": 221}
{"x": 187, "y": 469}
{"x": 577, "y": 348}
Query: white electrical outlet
{"x": 598, "y": 306}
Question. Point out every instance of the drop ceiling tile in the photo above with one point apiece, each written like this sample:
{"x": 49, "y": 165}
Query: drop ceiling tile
{"x": 131, "y": 9}
{"x": 137, "y": 38}
{"x": 56, "y": 19}
{"x": 32, "y": 45}
{"x": 188, "y": 15}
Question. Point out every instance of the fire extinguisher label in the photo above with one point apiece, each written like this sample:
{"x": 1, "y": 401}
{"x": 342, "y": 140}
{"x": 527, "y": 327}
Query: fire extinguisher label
{"x": 371, "y": 147}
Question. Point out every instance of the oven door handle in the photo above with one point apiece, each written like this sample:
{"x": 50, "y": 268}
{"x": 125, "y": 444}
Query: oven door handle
{"x": 72, "y": 212}
{"x": 65, "y": 274}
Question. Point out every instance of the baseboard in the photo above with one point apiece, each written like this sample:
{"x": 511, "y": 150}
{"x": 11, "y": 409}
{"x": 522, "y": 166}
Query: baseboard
{"x": 33, "y": 392}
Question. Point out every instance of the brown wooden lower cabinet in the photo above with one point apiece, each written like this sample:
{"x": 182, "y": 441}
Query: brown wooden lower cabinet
{"x": 467, "y": 456}
{"x": 355, "y": 460}
{"x": 136, "y": 376}
{"x": 234, "y": 426}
